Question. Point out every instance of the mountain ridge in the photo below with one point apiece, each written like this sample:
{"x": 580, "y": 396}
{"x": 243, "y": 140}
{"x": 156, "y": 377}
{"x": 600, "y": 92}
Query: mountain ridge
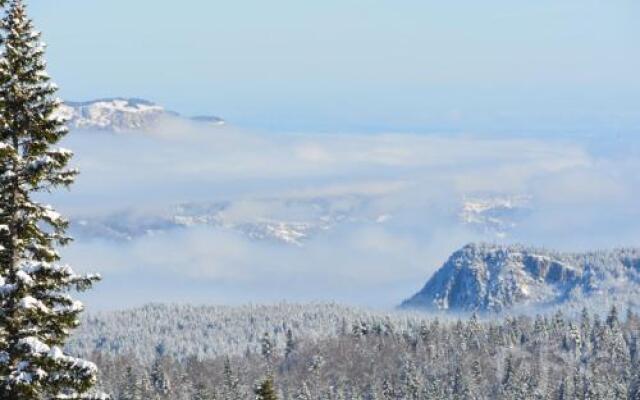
{"x": 121, "y": 114}
{"x": 486, "y": 277}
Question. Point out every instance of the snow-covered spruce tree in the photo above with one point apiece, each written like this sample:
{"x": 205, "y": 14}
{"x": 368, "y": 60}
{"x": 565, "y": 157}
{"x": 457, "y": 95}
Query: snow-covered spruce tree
{"x": 634, "y": 389}
{"x": 36, "y": 313}
{"x": 265, "y": 390}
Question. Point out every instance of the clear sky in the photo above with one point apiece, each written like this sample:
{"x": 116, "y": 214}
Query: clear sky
{"x": 420, "y": 65}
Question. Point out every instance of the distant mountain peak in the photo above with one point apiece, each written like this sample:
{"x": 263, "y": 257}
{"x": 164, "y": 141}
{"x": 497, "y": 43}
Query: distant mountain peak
{"x": 494, "y": 215}
{"x": 491, "y": 277}
{"x": 128, "y": 102}
{"x": 120, "y": 114}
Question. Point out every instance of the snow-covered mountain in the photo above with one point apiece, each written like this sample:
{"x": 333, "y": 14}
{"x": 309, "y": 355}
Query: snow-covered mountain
{"x": 284, "y": 220}
{"x": 291, "y": 222}
{"x": 120, "y": 115}
{"x": 494, "y": 215}
{"x": 483, "y": 277}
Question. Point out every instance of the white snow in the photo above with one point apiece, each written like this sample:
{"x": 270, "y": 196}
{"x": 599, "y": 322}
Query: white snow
{"x": 35, "y": 345}
{"x": 6, "y": 288}
{"x": 116, "y": 115}
{"x": 29, "y": 303}
{"x": 50, "y": 214}
{"x": 75, "y": 306}
{"x": 25, "y": 278}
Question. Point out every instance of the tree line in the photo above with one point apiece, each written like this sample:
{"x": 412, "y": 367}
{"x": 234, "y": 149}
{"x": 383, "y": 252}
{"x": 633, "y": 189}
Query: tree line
{"x": 524, "y": 358}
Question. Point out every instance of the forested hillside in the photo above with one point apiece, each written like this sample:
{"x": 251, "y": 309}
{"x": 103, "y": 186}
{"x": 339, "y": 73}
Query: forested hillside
{"x": 554, "y": 357}
{"x": 183, "y": 331}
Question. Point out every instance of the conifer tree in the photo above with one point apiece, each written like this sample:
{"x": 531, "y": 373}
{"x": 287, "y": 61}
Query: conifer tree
{"x": 371, "y": 393}
{"x": 634, "y": 389}
{"x": 304, "y": 393}
{"x": 159, "y": 379}
{"x": 36, "y": 313}
{"x": 131, "y": 389}
{"x": 410, "y": 380}
{"x": 513, "y": 382}
{"x": 585, "y": 324}
{"x": 202, "y": 392}
{"x": 267, "y": 346}
{"x": 387, "y": 390}
{"x": 231, "y": 383}
{"x": 612, "y": 319}
{"x": 461, "y": 386}
{"x": 290, "y": 345}
{"x": 265, "y": 390}
{"x": 564, "y": 391}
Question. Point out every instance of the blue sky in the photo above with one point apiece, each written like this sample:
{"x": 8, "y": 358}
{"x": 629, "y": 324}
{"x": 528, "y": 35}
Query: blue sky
{"x": 357, "y": 65}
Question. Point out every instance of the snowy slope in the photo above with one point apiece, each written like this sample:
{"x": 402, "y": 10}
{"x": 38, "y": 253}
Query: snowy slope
{"x": 119, "y": 115}
{"x": 482, "y": 277}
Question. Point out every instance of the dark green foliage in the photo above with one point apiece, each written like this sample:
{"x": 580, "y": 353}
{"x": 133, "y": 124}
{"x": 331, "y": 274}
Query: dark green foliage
{"x": 265, "y": 390}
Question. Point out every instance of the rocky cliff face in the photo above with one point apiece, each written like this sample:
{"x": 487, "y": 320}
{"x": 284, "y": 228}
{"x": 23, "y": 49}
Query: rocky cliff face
{"x": 481, "y": 277}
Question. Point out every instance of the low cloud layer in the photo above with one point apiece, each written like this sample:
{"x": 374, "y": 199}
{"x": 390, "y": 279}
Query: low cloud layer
{"x": 397, "y": 196}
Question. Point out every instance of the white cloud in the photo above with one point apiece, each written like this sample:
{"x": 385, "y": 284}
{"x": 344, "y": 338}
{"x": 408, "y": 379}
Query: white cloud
{"x": 418, "y": 180}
